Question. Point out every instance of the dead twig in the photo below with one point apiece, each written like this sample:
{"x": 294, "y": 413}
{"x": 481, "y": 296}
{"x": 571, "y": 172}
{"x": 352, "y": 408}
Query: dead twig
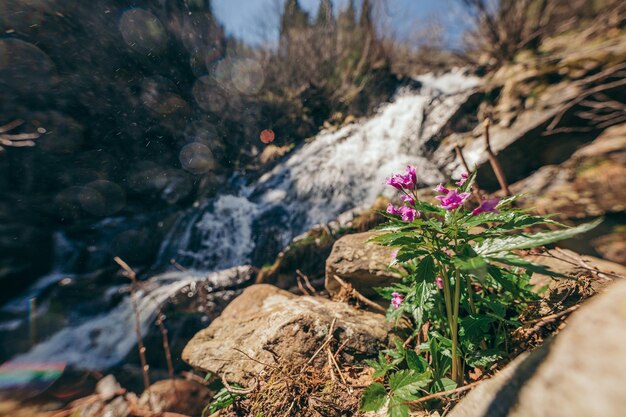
{"x": 550, "y": 318}
{"x": 583, "y": 264}
{"x": 130, "y": 274}
{"x": 166, "y": 349}
{"x": 493, "y": 160}
{"x": 326, "y": 342}
{"x": 354, "y": 293}
{"x": 306, "y": 281}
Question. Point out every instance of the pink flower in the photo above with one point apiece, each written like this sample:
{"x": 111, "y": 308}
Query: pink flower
{"x": 396, "y": 299}
{"x": 408, "y": 214}
{"x": 394, "y": 254}
{"x": 411, "y": 177}
{"x": 463, "y": 180}
{"x": 441, "y": 189}
{"x": 487, "y": 206}
{"x": 396, "y": 181}
{"x": 392, "y": 210}
{"x": 406, "y": 181}
{"x": 407, "y": 199}
{"x": 439, "y": 282}
{"x": 452, "y": 200}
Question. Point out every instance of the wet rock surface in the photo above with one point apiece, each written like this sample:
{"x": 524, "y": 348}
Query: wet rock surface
{"x": 266, "y": 325}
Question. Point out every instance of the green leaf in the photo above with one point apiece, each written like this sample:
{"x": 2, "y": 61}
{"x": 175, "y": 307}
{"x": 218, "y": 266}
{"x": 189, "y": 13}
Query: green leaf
{"x": 374, "y": 397}
{"x": 381, "y": 367}
{"x": 396, "y": 239}
{"x": 521, "y": 241}
{"x": 470, "y": 181}
{"x": 476, "y": 265}
{"x": 222, "y": 399}
{"x": 444, "y": 384}
{"x": 397, "y": 408}
{"x": 514, "y": 260}
{"x": 421, "y": 301}
{"x": 426, "y": 270}
{"x": 485, "y": 358}
{"x": 475, "y": 326}
{"x": 407, "y": 254}
{"x": 406, "y": 382}
{"x": 415, "y": 362}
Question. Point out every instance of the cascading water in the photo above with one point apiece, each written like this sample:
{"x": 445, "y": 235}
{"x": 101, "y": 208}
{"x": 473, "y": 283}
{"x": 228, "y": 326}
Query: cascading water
{"x": 333, "y": 172}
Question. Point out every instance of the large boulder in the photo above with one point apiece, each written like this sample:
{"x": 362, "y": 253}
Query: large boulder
{"x": 361, "y": 263}
{"x": 579, "y": 373}
{"x": 591, "y": 183}
{"x": 266, "y": 325}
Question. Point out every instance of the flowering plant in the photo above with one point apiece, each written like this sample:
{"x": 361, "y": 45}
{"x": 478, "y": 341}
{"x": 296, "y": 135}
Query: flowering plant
{"x": 463, "y": 290}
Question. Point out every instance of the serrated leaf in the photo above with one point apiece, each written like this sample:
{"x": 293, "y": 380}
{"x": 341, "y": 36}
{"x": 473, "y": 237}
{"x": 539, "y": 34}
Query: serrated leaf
{"x": 407, "y": 380}
{"x": 475, "y": 326}
{"x": 407, "y": 254}
{"x": 374, "y": 397}
{"x": 514, "y": 260}
{"x": 425, "y": 270}
{"x": 415, "y": 362}
{"x": 485, "y": 358}
{"x": 396, "y": 239}
{"x": 397, "y": 408}
{"x": 422, "y": 301}
{"x": 508, "y": 243}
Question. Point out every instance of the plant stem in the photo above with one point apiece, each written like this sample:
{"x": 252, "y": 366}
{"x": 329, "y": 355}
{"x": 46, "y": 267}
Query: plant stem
{"x": 470, "y": 295}
{"x": 457, "y": 374}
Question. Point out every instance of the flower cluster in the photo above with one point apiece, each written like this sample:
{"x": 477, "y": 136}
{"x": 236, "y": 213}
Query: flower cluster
{"x": 452, "y": 199}
{"x": 408, "y": 213}
{"x": 396, "y": 299}
{"x": 406, "y": 183}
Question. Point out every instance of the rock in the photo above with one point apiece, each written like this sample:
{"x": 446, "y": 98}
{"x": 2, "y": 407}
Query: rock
{"x": 116, "y": 408}
{"x": 360, "y": 263}
{"x": 306, "y": 254}
{"x": 579, "y": 373}
{"x": 591, "y": 183}
{"x": 612, "y": 245}
{"x": 108, "y": 387}
{"x": 266, "y": 325}
{"x": 183, "y": 397}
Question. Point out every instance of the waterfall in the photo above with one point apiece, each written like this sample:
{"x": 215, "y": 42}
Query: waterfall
{"x": 331, "y": 173}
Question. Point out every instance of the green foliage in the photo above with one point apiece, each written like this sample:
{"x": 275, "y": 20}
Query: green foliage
{"x": 222, "y": 400}
{"x": 464, "y": 288}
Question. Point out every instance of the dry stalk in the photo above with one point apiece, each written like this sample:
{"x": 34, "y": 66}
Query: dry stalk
{"x": 306, "y": 281}
{"x": 579, "y": 261}
{"x": 130, "y": 274}
{"x": 166, "y": 349}
{"x": 329, "y": 338}
{"x": 493, "y": 160}
{"x": 301, "y": 287}
{"x": 18, "y": 140}
{"x": 354, "y": 293}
